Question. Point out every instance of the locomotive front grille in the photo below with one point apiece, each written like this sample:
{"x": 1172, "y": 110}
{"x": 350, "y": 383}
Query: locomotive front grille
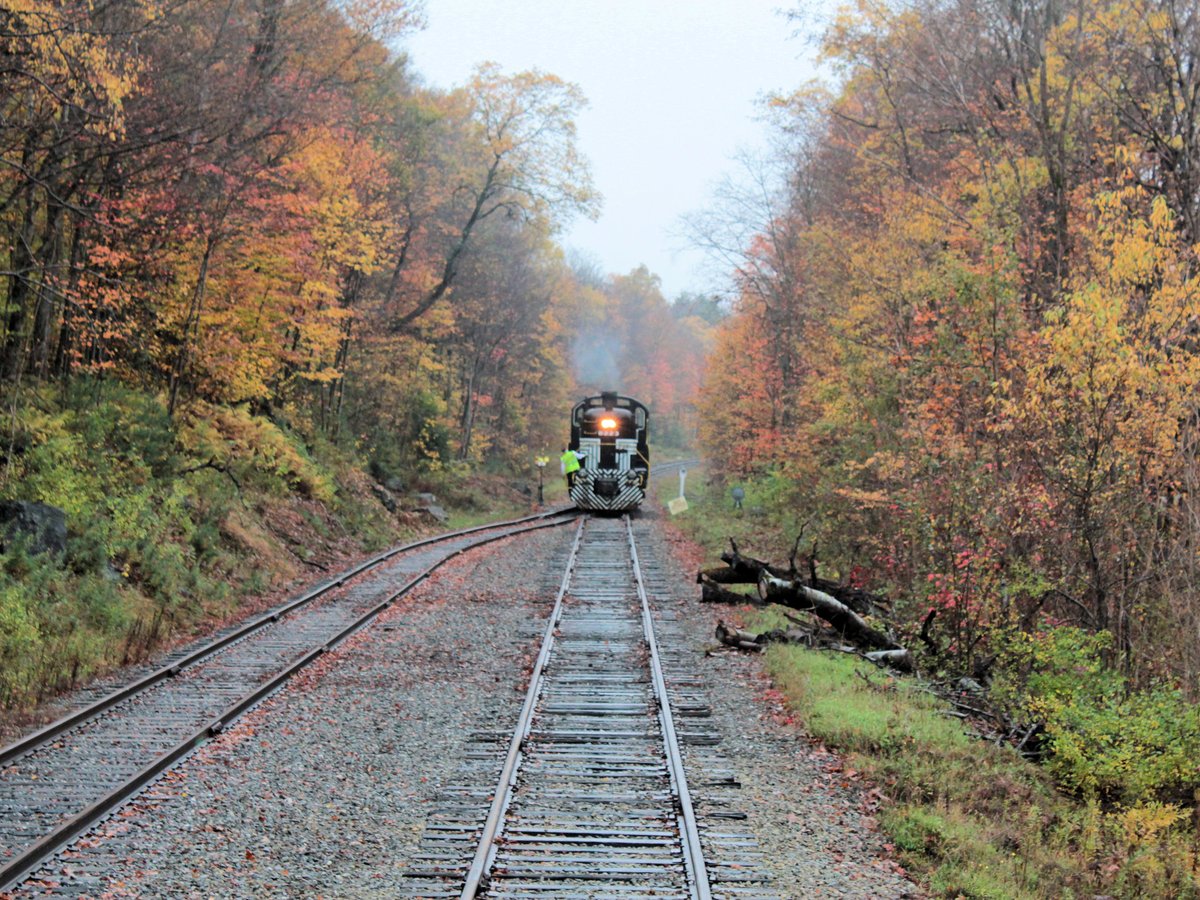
{"x": 606, "y": 479}
{"x": 607, "y": 488}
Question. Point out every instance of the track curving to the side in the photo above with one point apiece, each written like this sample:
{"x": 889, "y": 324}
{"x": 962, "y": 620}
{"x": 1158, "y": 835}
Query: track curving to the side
{"x": 59, "y": 782}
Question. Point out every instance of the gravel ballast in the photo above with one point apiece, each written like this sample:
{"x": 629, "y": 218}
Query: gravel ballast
{"x": 810, "y": 817}
{"x": 323, "y": 790}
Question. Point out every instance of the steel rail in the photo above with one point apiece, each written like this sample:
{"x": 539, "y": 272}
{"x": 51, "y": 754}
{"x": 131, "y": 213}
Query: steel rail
{"x": 66, "y": 723}
{"x": 48, "y": 732}
{"x": 691, "y": 462}
{"x": 487, "y": 846}
{"x": 491, "y": 827}
{"x": 20, "y": 866}
{"x": 693, "y": 852}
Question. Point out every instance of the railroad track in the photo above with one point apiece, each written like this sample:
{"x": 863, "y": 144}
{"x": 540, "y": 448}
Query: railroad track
{"x": 59, "y": 782}
{"x": 592, "y": 799}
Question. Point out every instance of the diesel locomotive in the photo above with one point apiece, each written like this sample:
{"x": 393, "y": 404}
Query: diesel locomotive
{"x": 609, "y": 436}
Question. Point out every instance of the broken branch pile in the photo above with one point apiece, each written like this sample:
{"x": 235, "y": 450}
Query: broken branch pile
{"x": 849, "y": 619}
{"x": 842, "y": 607}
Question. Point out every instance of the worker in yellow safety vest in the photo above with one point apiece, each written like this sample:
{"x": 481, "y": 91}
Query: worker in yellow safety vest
{"x": 570, "y": 465}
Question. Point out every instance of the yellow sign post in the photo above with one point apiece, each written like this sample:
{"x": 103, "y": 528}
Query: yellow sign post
{"x": 540, "y": 462}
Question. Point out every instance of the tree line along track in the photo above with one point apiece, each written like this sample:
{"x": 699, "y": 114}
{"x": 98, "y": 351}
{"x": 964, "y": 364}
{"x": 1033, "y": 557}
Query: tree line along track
{"x": 592, "y": 798}
{"x": 60, "y": 781}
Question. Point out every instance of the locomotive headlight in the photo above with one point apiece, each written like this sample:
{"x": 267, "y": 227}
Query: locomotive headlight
{"x": 608, "y": 424}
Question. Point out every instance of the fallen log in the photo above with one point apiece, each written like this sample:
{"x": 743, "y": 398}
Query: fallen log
{"x": 739, "y": 569}
{"x": 900, "y": 660}
{"x": 726, "y": 575}
{"x": 712, "y": 592}
{"x": 746, "y": 568}
{"x": 735, "y": 637}
{"x": 740, "y": 639}
{"x": 862, "y": 602}
{"x": 748, "y": 640}
{"x": 845, "y": 621}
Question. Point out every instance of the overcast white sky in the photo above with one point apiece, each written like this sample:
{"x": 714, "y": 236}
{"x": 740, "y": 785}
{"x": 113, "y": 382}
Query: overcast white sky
{"x": 672, "y": 86}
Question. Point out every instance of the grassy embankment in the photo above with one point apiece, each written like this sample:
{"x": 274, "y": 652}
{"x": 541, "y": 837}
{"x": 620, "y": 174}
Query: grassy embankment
{"x": 175, "y": 527}
{"x": 968, "y": 818}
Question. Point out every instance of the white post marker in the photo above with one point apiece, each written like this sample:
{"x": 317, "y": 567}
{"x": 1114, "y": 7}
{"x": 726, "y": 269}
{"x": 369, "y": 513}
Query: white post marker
{"x": 679, "y": 504}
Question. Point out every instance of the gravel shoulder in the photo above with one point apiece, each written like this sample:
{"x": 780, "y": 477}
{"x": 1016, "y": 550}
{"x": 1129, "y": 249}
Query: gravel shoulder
{"x": 324, "y": 789}
{"x": 811, "y": 817}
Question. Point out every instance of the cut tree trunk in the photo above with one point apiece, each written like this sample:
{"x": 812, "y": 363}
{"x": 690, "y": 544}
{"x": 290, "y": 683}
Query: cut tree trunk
{"x": 748, "y": 640}
{"x": 712, "y": 592}
{"x": 846, "y": 621}
{"x": 735, "y": 637}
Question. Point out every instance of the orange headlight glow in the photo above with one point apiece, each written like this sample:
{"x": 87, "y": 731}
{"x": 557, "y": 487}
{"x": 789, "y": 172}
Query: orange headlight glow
{"x": 608, "y": 424}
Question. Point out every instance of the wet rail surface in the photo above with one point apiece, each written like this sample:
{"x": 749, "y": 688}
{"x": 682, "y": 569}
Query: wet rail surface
{"x": 60, "y": 781}
{"x": 592, "y": 798}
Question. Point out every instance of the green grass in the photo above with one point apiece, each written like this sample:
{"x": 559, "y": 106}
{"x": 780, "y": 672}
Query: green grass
{"x": 969, "y": 819}
{"x": 460, "y": 519}
{"x": 972, "y": 819}
{"x": 765, "y": 526}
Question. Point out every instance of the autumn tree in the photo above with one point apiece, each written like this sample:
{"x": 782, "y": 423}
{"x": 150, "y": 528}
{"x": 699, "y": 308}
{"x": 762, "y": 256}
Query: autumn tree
{"x": 503, "y": 332}
{"x": 67, "y": 78}
{"x": 980, "y": 248}
{"x": 263, "y": 207}
{"x": 523, "y": 161}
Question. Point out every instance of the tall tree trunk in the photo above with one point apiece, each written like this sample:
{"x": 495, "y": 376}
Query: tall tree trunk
{"x": 467, "y": 422}
{"x": 183, "y": 356}
{"x": 48, "y": 306}
{"x": 342, "y": 362}
{"x": 63, "y": 347}
{"x": 16, "y": 309}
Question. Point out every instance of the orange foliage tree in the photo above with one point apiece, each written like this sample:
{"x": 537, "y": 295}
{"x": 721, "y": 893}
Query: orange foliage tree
{"x": 265, "y": 208}
{"x": 965, "y": 324}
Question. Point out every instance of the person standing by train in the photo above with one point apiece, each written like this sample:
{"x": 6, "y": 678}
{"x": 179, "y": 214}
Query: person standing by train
{"x": 570, "y": 465}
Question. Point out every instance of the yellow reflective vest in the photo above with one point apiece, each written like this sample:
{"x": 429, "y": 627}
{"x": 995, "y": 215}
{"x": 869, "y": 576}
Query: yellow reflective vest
{"x": 570, "y": 462}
